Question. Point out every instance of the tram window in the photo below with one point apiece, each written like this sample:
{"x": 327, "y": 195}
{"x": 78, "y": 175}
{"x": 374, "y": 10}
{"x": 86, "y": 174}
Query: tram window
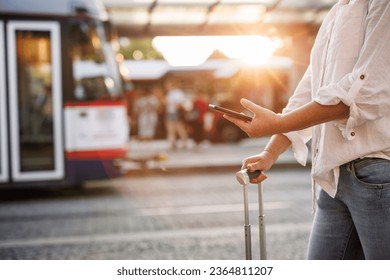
{"x": 109, "y": 31}
{"x": 34, "y": 100}
{"x": 95, "y": 71}
{"x": 87, "y": 43}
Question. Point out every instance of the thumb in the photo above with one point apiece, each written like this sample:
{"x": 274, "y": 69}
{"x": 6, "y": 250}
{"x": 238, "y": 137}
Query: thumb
{"x": 247, "y": 104}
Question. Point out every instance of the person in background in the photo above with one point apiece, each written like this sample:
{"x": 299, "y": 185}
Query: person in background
{"x": 175, "y": 124}
{"x": 342, "y": 104}
{"x": 131, "y": 95}
{"x": 200, "y": 108}
{"x": 158, "y": 91}
{"x": 146, "y": 110}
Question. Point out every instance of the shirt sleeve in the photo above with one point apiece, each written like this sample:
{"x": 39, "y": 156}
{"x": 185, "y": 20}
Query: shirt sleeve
{"x": 301, "y": 96}
{"x": 366, "y": 90}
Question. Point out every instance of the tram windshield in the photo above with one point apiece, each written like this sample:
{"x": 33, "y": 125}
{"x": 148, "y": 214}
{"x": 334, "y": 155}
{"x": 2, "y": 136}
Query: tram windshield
{"x": 95, "y": 69}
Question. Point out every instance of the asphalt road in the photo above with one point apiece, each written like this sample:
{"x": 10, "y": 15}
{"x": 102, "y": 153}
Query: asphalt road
{"x": 164, "y": 216}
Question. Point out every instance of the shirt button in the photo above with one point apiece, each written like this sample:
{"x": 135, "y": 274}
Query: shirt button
{"x": 362, "y": 77}
{"x": 352, "y": 133}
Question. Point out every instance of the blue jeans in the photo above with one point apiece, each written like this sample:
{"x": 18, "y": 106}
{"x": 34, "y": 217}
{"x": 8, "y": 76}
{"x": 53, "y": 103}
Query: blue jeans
{"x": 356, "y": 223}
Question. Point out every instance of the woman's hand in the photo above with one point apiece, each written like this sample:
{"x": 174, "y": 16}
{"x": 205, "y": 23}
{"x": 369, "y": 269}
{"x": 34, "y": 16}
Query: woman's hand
{"x": 264, "y": 122}
{"x": 262, "y": 161}
{"x": 267, "y": 123}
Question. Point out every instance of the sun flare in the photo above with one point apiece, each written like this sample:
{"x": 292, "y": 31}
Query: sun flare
{"x": 195, "y": 50}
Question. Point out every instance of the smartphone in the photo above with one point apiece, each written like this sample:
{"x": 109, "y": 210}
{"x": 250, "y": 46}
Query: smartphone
{"x": 230, "y": 112}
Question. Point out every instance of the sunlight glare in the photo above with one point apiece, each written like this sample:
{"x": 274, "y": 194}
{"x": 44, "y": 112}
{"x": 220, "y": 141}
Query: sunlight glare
{"x": 253, "y": 50}
{"x": 183, "y": 50}
{"x": 195, "y": 50}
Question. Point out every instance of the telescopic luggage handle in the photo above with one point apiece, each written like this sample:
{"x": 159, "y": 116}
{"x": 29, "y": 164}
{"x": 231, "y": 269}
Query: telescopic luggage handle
{"x": 243, "y": 177}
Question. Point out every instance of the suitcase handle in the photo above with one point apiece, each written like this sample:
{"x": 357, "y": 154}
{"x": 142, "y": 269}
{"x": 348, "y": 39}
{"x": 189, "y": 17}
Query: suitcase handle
{"x": 253, "y": 174}
{"x": 243, "y": 177}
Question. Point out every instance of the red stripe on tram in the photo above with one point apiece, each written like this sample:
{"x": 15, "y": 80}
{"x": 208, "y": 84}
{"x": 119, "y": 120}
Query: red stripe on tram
{"x": 97, "y": 154}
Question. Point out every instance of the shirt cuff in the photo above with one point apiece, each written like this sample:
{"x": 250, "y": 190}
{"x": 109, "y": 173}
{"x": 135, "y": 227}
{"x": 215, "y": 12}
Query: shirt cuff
{"x": 298, "y": 145}
{"x": 334, "y": 94}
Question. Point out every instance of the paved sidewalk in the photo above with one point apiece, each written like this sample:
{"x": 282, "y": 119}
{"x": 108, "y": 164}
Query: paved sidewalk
{"x": 155, "y": 156}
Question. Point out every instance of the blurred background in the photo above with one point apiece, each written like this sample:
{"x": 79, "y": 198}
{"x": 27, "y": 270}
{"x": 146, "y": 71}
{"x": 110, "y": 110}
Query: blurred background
{"x": 107, "y": 147}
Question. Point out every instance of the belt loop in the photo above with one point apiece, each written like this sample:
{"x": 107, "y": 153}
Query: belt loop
{"x": 349, "y": 166}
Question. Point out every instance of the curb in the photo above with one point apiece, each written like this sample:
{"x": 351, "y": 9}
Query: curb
{"x": 206, "y": 169}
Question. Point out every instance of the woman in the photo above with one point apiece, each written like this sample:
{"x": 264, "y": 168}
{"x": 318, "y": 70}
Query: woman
{"x": 342, "y": 103}
{"x": 175, "y": 124}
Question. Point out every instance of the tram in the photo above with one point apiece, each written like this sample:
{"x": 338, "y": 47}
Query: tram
{"x": 63, "y": 117}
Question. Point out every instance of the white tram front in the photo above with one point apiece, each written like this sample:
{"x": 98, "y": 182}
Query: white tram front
{"x": 63, "y": 118}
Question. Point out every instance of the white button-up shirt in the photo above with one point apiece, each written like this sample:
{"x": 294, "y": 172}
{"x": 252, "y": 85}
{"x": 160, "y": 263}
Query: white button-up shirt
{"x": 350, "y": 63}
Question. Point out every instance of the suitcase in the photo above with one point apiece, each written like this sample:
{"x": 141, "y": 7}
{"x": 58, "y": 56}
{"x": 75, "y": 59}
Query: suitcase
{"x": 243, "y": 177}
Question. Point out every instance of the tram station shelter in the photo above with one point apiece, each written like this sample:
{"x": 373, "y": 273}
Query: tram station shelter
{"x": 293, "y": 22}
{"x": 297, "y": 21}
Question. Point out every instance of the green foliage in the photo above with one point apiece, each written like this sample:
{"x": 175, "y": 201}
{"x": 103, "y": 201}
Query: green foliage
{"x": 140, "y": 48}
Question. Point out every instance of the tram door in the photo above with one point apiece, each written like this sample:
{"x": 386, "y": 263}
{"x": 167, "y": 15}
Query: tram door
{"x": 31, "y": 141}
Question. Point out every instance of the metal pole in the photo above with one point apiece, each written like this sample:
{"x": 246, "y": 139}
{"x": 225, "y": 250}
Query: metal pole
{"x": 247, "y": 226}
{"x": 262, "y": 240}
{"x": 243, "y": 178}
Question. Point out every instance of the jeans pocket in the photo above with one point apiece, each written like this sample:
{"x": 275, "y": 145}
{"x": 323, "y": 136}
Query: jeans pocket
{"x": 372, "y": 171}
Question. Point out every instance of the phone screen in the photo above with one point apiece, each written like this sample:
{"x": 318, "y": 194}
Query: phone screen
{"x": 230, "y": 112}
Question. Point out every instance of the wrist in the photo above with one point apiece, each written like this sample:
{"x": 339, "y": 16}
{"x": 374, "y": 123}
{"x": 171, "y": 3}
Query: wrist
{"x": 277, "y": 145}
{"x": 282, "y": 123}
{"x": 272, "y": 156}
